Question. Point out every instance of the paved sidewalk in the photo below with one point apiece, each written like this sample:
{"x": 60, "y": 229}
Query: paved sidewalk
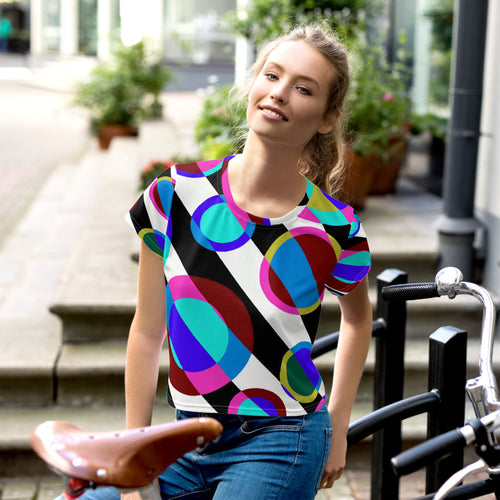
{"x": 40, "y": 139}
{"x": 48, "y": 489}
{"x": 39, "y": 130}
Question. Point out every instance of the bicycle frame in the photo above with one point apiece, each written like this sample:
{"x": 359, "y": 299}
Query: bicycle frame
{"x": 76, "y": 488}
{"x": 482, "y": 392}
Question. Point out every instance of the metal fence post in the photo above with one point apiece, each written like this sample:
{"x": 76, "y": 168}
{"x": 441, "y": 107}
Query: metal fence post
{"x": 388, "y": 385}
{"x": 447, "y": 375}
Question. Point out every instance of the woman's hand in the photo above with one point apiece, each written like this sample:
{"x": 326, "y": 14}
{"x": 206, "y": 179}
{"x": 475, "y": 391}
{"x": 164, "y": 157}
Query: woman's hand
{"x": 135, "y": 495}
{"x": 336, "y": 460}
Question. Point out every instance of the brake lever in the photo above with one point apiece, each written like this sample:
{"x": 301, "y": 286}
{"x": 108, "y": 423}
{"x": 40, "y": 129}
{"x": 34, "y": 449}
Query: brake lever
{"x": 458, "y": 477}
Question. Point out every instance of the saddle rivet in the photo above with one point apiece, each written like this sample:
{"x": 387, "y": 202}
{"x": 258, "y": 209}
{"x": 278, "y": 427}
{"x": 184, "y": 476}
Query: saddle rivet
{"x": 101, "y": 473}
{"x": 200, "y": 440}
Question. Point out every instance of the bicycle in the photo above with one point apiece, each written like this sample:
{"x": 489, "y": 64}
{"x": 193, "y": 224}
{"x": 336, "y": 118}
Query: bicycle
{"x": 129, "y": 460}
{"x": 482, "y": 393}
{"x": 448, "y": 282}
{"x": 478, "y": 431}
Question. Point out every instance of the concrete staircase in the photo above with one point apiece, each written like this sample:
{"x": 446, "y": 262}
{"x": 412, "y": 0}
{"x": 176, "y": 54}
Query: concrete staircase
{"x": 68, "y": 291}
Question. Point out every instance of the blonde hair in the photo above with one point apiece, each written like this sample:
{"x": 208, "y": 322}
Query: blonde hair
{"x": 322, "y": 161}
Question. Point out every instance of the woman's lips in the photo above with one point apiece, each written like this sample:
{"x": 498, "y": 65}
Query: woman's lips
{"x": 274, "y": 113}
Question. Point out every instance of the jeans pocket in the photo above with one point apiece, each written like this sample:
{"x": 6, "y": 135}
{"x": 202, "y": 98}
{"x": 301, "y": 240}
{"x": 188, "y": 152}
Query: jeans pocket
{"x": 328, "y": 445}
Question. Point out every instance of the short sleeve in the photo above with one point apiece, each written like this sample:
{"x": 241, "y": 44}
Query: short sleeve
{"x": 354, "y": 261}
{"x": 150, "y": 215}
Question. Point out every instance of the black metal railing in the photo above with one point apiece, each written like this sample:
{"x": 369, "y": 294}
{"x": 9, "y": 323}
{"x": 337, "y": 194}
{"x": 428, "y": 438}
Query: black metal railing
{"x": 444, "y": 403}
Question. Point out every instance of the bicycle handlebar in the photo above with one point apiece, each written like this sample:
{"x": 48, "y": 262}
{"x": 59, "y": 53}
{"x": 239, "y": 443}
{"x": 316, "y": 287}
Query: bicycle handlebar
{"x": 448, "y": 282}
{"x": 482, "y": 390}
{"x": 410, "y": 291}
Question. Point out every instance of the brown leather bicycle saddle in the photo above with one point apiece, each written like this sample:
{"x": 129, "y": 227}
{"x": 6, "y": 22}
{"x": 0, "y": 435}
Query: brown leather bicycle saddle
{"x": 126, "y": 459}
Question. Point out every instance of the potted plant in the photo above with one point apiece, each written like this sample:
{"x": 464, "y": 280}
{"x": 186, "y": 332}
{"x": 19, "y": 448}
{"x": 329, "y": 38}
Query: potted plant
{"x": 220, "y": 127}
{"x": 119, "y": 94}
{"x": 379, "y": 122}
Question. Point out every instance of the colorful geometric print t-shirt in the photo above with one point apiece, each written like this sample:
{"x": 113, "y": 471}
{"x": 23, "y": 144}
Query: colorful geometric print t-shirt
{"x": 243, "y": 293}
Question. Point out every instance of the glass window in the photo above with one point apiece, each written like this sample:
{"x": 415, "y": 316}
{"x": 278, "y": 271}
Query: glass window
{"x": 87, "y": 27}
{"x": 51, "y": 25}
{"x": 194, "y": 34}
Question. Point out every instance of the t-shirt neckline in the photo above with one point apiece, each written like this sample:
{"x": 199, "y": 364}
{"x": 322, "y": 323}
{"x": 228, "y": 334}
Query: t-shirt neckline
{"x": 249, "y": 217}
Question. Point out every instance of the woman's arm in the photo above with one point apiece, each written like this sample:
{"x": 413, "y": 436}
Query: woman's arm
{"x": 145, "y": 341}
{"x": 354, "y": 340}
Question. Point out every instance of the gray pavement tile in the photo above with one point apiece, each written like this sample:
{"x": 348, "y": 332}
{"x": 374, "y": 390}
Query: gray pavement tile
{"x": 49, "y": 489}
{"x": 341, "y": 490}
{"x": 18, "y": 490}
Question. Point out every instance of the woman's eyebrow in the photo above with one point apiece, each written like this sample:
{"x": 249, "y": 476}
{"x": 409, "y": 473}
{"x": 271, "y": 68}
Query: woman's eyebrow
{"x": 299, "y": 77}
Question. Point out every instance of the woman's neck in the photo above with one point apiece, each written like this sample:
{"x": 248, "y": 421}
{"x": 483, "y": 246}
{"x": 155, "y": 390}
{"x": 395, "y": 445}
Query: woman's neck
{"x": 265, "y": 181}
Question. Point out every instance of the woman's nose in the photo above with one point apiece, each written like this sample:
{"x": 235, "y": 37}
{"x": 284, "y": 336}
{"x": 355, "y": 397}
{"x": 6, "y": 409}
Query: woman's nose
{"x": 278, "y": 95}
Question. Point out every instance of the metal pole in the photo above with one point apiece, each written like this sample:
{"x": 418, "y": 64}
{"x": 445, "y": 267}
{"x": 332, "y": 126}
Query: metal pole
{"x": 457, "y": 225}
{"x": 388, "y": 386}
{"x": 447, "y": 374}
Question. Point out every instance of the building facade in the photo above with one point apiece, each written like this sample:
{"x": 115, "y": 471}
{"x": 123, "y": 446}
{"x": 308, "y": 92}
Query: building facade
{"x": 190, "y": 33}
{"x": 487, "y": 199}
{"x": 187, "y": 31}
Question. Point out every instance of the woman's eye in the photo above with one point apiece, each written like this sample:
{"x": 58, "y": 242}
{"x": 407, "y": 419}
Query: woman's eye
{"x": 271, "y": 76}
{"x": 304, "y": 90}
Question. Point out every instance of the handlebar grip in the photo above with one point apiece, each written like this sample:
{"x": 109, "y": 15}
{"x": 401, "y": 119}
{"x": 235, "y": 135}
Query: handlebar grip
{"x": 410, "y": 291}
{"x": 428, "y": 452}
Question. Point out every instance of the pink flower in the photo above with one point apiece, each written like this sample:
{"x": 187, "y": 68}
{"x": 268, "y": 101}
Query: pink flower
{"x": 387, "y": 96}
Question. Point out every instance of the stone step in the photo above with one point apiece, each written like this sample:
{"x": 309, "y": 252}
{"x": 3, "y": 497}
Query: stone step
{"x": 86, "y": 320}
{"x": 96, "y": 296}
{"x": 32, "y": 261}
{"x": 93, "y": 374}
{"x": 88, "y": 317}
{"x": 423, "y": 316}
{"x": 17, "y": 424}
{"x": 17, "y": 459}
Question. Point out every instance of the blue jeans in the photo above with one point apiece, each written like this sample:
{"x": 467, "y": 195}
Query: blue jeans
{"x": 255, "y": 458}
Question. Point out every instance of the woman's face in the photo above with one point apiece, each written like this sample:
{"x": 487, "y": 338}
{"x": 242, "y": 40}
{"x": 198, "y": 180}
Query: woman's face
{"x": 288, "y": 98}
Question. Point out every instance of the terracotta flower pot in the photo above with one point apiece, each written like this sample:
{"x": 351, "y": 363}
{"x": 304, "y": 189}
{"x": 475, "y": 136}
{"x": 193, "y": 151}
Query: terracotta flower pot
{"x": 107, "y": 132}
{"x": 387, "y": 172}
{"x": 358, "y": 177}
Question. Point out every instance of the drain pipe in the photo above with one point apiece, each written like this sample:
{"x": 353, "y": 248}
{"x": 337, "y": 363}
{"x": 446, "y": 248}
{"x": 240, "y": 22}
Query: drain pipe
{"x": 456, "y": 225}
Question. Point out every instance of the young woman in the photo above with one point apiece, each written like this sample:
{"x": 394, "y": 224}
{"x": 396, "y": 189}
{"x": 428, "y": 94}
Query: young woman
{"x": 235, "y": 258}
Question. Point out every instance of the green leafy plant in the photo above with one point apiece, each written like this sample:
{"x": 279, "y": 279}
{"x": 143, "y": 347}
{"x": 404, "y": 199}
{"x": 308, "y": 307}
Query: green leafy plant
{"x": 220, "y": 128}
{"x": 378, "y": 104}
{"x": 266, "y": 19}
{"x": 441, "y": 17}
{"x": 155, "y": 167}
{"x": 123, "y": 90}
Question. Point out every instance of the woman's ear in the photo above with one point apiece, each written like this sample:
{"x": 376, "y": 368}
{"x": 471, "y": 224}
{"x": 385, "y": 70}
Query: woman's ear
{"x": 329, "y": 122}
